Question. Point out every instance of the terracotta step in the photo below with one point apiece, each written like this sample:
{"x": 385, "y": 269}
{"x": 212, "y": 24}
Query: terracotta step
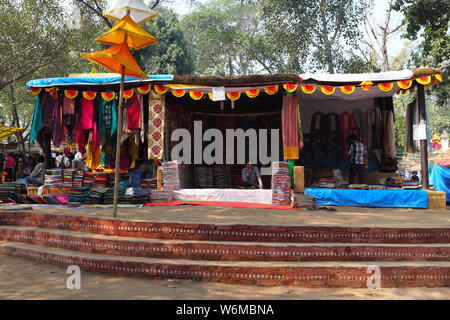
{"x": 310, "y": 274}
{"x": 211, "y": 232}
{"x": 223, "y": 250}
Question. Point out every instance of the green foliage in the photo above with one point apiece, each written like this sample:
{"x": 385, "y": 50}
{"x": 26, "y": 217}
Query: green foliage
{"x": 170, "y": 55}
{"x": 314, "y": 30}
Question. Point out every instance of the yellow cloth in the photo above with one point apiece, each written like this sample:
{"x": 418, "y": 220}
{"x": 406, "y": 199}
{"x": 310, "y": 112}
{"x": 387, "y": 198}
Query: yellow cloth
{"x": 6, "y": 132}
{"x": 137, "y": 37}
{"x": 113, "y": 58}
{"x": 94, "y": 158}
{"x": 133, "y": 150}
{"x": 291, "y": 153}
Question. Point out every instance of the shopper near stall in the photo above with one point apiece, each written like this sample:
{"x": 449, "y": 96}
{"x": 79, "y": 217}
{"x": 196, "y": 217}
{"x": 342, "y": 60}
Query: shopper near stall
{"x": 38, "y": 173}
{"x": 357, "y": 155}
{"x": 78, "y": 164}
{"x": 8, "y": 167}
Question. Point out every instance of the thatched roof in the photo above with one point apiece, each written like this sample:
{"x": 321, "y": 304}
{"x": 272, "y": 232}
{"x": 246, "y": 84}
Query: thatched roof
{"x": 422, "y": 72}
{"x": 236, "y": 81}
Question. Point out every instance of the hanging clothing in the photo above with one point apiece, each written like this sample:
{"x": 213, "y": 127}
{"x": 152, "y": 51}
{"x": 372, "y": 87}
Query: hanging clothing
{"x": 318, "y": 132}
{"x": 36, "y": 123}
{"x": 346, "y": 126}
{"x": 68, "y": 112}
{"x": 389, "y": 134}
{"x": 56, "y": 126}
{"x": 48, "y": 106}
{"x": 332, "y": 134}
{"x": 133, "y": 113}
{"x": 289, "y": 116}
{"x": 409, "y": 124}
{"x": 94, "y": 155}
{"x": 87, "y": 114}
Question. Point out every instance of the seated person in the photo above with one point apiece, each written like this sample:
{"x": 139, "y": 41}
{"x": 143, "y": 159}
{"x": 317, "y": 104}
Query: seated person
{"x": 37, "y": 175}
{"x": 414, "y": 176}
{"x": 251, "y": 178}
{"x": 78, "y": 164}
{"x": 138, "y": 173}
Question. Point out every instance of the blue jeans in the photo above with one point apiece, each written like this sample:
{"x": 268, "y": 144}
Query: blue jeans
{"x": 30, "y": 180}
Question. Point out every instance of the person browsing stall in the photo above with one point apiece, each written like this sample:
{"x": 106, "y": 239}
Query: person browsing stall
{"x": 357, "y": 152}
{"x": 38, "y": 173}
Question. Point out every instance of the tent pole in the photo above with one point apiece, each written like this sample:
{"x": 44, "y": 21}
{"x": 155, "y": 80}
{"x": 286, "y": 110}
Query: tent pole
{"x": 119, "y": 137}
{"x": 423, "y": 143}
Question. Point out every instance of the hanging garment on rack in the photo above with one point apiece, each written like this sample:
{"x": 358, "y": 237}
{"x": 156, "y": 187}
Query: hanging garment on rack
{"x": 36, "y": 123}
{"x": 68, "y": 112}
{"x": 133, "y": 113}
{"x": 332, "y": 134}
{"x": 291, "y": 139}
{"x": 141, "y": 118}
{"x": 358, "y": 120}
{"x": 56, "y": 126}
{"x": 409, "y": 124}
{"x": 346, "y": 126}
{"x": 87, "y": 114}
{"x": 318, "y": 131}
{"x": 48, "y": 106}
{"x": 156, "y": 123}
{"x": 389, "y": 134}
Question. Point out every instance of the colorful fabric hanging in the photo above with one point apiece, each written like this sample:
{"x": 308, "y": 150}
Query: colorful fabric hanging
{"x": 87, "y": 114}
{"x": 156, "y": 124}
{"x": 133, "y": 113}
{"x": 291, "y": 141}
{"x": 36, "y": 124}
{"x": 347, "y": 124}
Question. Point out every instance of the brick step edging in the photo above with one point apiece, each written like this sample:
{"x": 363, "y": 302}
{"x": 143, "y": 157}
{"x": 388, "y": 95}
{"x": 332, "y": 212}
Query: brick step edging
{"x": 225, "y": 252}
{"x": 351, "y": 277}
{"x": 248, "y": 233}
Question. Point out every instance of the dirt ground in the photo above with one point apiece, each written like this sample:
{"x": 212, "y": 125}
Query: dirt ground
{"x": 26, "y": 279}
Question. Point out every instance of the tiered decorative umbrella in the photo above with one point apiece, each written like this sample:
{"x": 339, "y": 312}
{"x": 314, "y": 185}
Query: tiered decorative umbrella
{"x": 125, "y": 35}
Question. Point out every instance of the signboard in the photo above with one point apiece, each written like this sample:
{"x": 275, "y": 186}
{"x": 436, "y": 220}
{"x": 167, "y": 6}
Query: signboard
{"x": 218, "y": 94}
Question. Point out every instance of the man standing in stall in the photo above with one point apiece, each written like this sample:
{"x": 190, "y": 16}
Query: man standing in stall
{"x": 357, "y": 154}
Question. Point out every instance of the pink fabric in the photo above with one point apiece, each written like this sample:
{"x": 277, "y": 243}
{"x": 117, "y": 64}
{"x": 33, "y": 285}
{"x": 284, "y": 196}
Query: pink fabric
{"x": 87, "y": 114}
{"x": 133, "y": 113}
{"x": 61, "y": 198}
{"x": 124, "y": 162}
{"x": 9, "y": 163}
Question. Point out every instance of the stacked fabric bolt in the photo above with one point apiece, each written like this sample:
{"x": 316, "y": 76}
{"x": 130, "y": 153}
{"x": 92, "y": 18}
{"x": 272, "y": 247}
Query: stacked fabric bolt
{"x": 101, "y": 179}
{"x": 377, "y": 187}
{"x": 95, "y": 195}
{"x": 301, "y": 200}
{"x": 78, "y": 194}
{"x": 394, "y": 183}
{"x": 411, "y": 185}
{"x": 78, "y": 177}
{"x": 135, "y": 196}
{"x": 327, "y": 183}
{"x": 48, "y": 179}
{"x": 160, "y": 196}
{"x": 281, "y": 183}
{"x": 108, "y": 197}
{"x": 176, "y": 175}
{"x": 149, "y": 183}
{"x": 88, "y": 179}
{"x": 203, "y": 177}
{"x": 68, "y": 177}
{"x": 222, "y": 176}
{"x": 358, "y": 186}
{"x": 57, "y": 176}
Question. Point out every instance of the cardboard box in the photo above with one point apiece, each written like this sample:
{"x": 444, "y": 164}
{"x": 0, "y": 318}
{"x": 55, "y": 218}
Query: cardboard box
{"x": 299, "y": 179}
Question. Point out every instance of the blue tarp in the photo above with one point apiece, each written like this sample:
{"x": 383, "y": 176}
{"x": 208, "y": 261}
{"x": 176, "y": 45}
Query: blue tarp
{"x": 53, "y": 82}
{"x": 370, "y": 198}
{"x": 440, "y": 178}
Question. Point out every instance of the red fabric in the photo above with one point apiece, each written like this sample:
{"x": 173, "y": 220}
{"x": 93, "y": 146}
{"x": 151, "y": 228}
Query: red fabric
{"x": 226, "y": 204}
{"x": 9, "y": 163}
{"x": 133, "y": 113}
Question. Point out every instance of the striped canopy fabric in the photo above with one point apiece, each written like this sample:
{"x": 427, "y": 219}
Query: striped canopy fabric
{"x": 290, "y": 116}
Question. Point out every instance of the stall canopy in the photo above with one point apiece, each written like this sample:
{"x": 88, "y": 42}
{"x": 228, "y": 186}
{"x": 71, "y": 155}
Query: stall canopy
{"x": 6, "y": 132}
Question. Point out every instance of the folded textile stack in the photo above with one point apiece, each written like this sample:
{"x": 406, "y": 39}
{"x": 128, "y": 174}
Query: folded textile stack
{"x": 203, "y": 177}
{"x": 57, "y": 176}
{"x": 149, "y": 183}
{"x": 48, "y": 179}
{"x": 222, "y": 176}
{"x": 394, "y": 183}
{"x": 101, "y": 179}
{"x": 328, "y": 183}
{"x": 301, "y": 200}
{"x": 377, "y": 187}
{"x": 68, "y": 177}
{"x": 281, "y": 183}
{"x": 176, "y": 176}
{"x": 78, "y": 177}
{"x": 88, "y": 179}
{"x": 359, "y": 186}
{"x": 160, "y": 196}
{"x": 135, "y": 196}
{"x": 236, "y": 177}
{"x": 78, "y": 194}
{"x": 108, "y": 196}
{"x": 95, "y": 195}
{"x": 411, "y": 185}
{"x": 10, "y": 192}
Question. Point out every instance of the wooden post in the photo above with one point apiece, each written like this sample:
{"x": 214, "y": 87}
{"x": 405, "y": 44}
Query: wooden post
{"x": 423, "y": 143}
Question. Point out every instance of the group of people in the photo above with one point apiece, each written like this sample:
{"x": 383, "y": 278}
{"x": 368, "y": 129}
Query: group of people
{"x": 31, "y": 167}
